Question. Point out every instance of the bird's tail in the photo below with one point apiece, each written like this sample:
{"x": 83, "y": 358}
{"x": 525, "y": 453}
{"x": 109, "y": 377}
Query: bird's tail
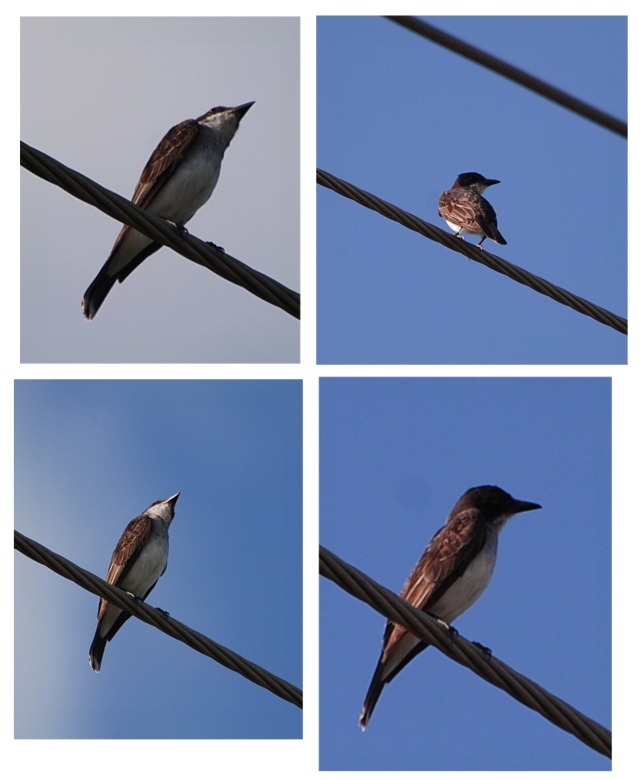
{"x": 97, "y": 291}
{"x": 496, "y": 235}
{"x": 371, "y": 699}
{"x": 117, "y": 267}
{"x": 96, "y": 651}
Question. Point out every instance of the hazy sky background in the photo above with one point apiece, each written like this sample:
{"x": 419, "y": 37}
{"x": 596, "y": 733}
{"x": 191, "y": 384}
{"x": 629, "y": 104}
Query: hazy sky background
{"x": 412, "y": 116}
{"x": 395, "y": 456}
{"x": 92, "y": 455}
{"x": 110, "y": 89}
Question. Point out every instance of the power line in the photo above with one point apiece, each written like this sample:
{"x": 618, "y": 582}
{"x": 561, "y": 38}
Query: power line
{"x": 511, "y": 72}
{"x": 206, "y": 254}
{"x": 494, "y": 671}
{"x": 493, "y": 262}
{"x": 160, "y": 620}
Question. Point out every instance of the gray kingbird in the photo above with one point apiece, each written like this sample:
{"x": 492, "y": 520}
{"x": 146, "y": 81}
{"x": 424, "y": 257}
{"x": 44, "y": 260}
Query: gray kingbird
{"x": 178, "y": 179}
{"x": 465, "y": 210}
{"x": 137, "y": 563}
{"x": 450, "y": 576}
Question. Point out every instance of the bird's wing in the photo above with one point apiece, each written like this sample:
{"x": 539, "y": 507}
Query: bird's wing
{"x": 446, "y": 558}
{"x": 461, "y": 207}
{"x": 488, "y": 220}
{"x": 128, "y": 548}
{"x": 164, "y": 160}
{"x": 126, "y": 554}
{"x": 158, "y": 169}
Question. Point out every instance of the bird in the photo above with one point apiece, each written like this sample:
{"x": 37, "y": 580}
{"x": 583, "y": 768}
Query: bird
{"x": 178, "y": 179}
{"x": 137, "y": 563}
{"x": 449, "y": 577}
{"x": 465, "y": 210}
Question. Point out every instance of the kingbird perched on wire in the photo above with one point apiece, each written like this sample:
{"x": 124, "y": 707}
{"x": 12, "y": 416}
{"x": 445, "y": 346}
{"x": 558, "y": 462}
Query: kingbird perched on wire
{"x": 178, "y": 179}
{"x": 466, "y": 211}
{"x": 450, "y": 576}
{"x": 137, "y": 563}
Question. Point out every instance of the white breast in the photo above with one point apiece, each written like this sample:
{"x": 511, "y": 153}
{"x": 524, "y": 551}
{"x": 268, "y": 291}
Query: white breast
{"x": 466, "y": 590}
{"x": 149, "y": 566}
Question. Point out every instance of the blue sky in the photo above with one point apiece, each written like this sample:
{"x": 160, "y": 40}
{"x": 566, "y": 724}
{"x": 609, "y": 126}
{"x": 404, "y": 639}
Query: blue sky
{"x": 395, "y": 455}
{"x": 146, "y": 75}
{"x": 89, "y": 456}
{"x": 401, "y": 117}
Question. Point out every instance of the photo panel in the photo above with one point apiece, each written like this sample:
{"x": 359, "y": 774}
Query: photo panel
{"x": 92, "y": 455}
{"x": 177, "y": 111}
{"x": 396, "y": 456}
{"x": 403, "y": 118}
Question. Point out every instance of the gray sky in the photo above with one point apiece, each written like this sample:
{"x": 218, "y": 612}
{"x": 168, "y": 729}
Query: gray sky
{"x": 110, "y": 88}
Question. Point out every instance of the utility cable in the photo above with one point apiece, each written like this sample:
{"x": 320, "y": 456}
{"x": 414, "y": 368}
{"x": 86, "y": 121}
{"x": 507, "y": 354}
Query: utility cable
{"x": 206, "y": 254}
{"x": 471, "y": 251}
{"x": 466, "y": 653}
{"x": 174, "y": 628}
{"x": 511, "y": 72}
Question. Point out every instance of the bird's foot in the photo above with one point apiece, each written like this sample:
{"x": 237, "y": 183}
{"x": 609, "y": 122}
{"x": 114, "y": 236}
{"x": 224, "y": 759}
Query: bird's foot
{"x": 181, "y": 228}
{"x": 484, "y": 649}
{"x": 453, "y": 632}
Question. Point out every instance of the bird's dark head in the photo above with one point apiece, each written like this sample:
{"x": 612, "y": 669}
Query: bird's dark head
{"x": 224, "y": 118}
{"x": 496, "y": 504}
{"x": 474, "y": 181}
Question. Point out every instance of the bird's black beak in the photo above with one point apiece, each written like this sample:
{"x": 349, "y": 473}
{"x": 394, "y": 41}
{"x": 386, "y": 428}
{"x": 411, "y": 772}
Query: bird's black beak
{"x": 242, "y": 110}
{"x": 526, "y": 506}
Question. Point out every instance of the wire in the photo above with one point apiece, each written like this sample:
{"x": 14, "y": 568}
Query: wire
{"x": 494, "y": 262}
{"x": 428, "y": 629}
{"x": 206, "y": 254}
{"x": 511, "y": 72}
{"x": 160, "y": 620}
